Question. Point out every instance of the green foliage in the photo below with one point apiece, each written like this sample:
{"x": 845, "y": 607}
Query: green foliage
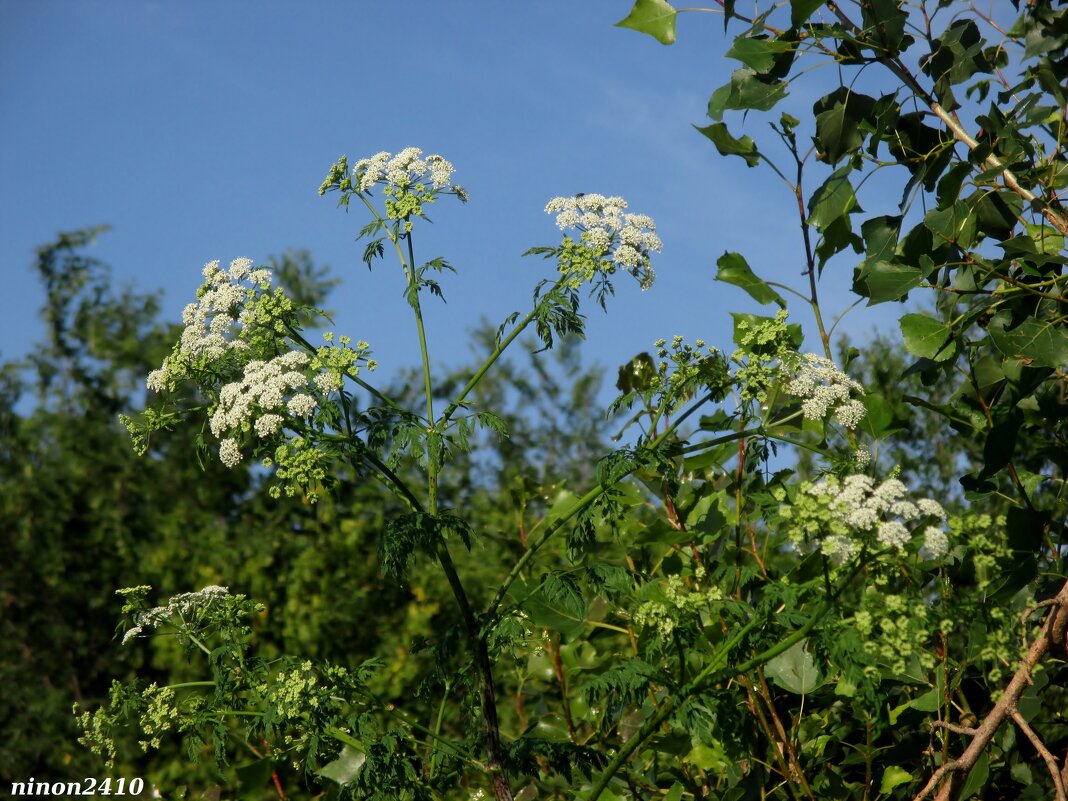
{"x": 971, "y": 404}
{"x": 690, "y": 615}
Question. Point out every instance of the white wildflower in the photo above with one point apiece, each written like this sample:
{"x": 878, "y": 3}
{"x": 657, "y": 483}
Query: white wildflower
{"x": 906, "y": 510}
{"x": 823, "y": 389}
{"x": 441, "y": 171}
{"x": 328, "y": 382}
{"x": 854, "y": 508}
{"x": 370, "y": 171}
{"x": 182, "y": 605}
{"x": 850, "y": 413}
{"x": 262, "y": 390}
{"x": 893, "y": 534}
{"x": 862, "y": 457}
{"x": 268, "y": 424}
{"x": 230, "y": 452}
{"x": 301, "y": 405}
{"x": 627, "y": 240}
{"x": 935, "y": 543}
{"x": 888, "y": 492}
{"x": 931, "y": 508}
{"x": 404, "y": 169}
{"x": 838, "y": 549}
{"x": 157, "y": 380}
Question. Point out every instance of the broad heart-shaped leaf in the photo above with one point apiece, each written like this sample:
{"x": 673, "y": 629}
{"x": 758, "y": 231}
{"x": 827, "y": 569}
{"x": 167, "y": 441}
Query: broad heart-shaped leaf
{"x": 727, "y": 145}
{"x": 654, "y": 17}
{"x": 838, "y": 123}
{"x": 1046, "y": 239}
{"x": 892, "y": 777}
{"x": 746, "y": 90}
{"x": 801, "y": 10}
{"x": 954, "y": 224}
{"x": 926, "y": 337}
{"x": 733, "y": 269}
{"x": 879, "y": 416}
{"x": 757, "y": 53}
{"x": 884, "y": 23}
{"x": 880, "y": 236}
{"x": 977, "y": 778}
{"x": 794, "y": 670}
{"x": 881, "y": 281}
{"x": 1035, "y": 342}
{"x": 835, "y": 198}
{"x": 344, "y": 769}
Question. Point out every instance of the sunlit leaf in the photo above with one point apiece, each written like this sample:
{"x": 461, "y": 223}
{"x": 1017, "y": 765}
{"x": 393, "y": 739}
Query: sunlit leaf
{"x": 734, "y": 269}
{"x": 654, "y": 17}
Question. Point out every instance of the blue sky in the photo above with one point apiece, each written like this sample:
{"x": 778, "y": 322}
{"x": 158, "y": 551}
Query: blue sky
{"x": 201, "y": 130}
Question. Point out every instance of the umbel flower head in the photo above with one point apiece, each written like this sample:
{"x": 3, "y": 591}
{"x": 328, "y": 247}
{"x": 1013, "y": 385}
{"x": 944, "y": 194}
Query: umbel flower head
{"x": 237, "y": 349}
{"x": 841, "y": 515}
{"x": 214, "y": 324}
{"x": 408, "y": 172}
{"x": 614, "y": 238}
{"x": 824, "y": 388}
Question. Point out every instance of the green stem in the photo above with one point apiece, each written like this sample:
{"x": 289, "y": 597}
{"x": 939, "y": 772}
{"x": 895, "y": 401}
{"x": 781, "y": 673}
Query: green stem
{"x": 298, "y": 337}
{"x": 583, "y": 502}
{"x": 532, "y": 549}
{"x": 710, "y": 675}
{"x": 497, "y": 351}
{"x": 185, "y": 684}
{"x": 437, "y": 727}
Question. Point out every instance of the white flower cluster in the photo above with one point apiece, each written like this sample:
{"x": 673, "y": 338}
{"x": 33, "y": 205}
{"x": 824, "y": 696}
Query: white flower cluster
{"x": 182, "y": 605}
{"x": 857, "y": 507}
{"x": 209, "y": 323}
{"x": 824, "y": 388}
{"x": 257, "y": 398}
{"x": 604, "y": 224}
{"x": 403, "y": 169}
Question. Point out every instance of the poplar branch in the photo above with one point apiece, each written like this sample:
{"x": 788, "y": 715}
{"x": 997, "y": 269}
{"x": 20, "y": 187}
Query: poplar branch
{"x": 957, "y": 770}
{"x": 991, "y": 162}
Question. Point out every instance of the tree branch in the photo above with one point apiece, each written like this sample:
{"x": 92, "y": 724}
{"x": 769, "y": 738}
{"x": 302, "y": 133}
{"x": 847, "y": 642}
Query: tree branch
{"x": 959, "y": 768}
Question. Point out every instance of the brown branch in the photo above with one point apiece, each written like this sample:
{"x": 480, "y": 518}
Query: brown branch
{"x": 953, "y": 727}
{"x": 1047, "y": 757}
{"x": 957, "y": 770}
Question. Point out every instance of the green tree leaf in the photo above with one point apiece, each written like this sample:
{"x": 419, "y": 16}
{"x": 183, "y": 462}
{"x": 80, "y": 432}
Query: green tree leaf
{"x": 727, "y": 145}
{"x": 881, "y": 281}
{"x": 926, "y": 337}
{"x": 746, "y": 90}
{"x": 839, "y": 119}
{"x": 801, "y": 10}
{"x": 832, "y": 200}
{"x": 343, "y": 769}
{"x": 954, "y": 224}
{"x": 977, "y": 778}
{"x": 733, "y": 269}
{"x": 654, "y": 17}
{"x": 892, "y": 777}
{"x": 1043, "y": 344}
{"x": 757, "y": 53}
{"x": 795, "y": 670}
